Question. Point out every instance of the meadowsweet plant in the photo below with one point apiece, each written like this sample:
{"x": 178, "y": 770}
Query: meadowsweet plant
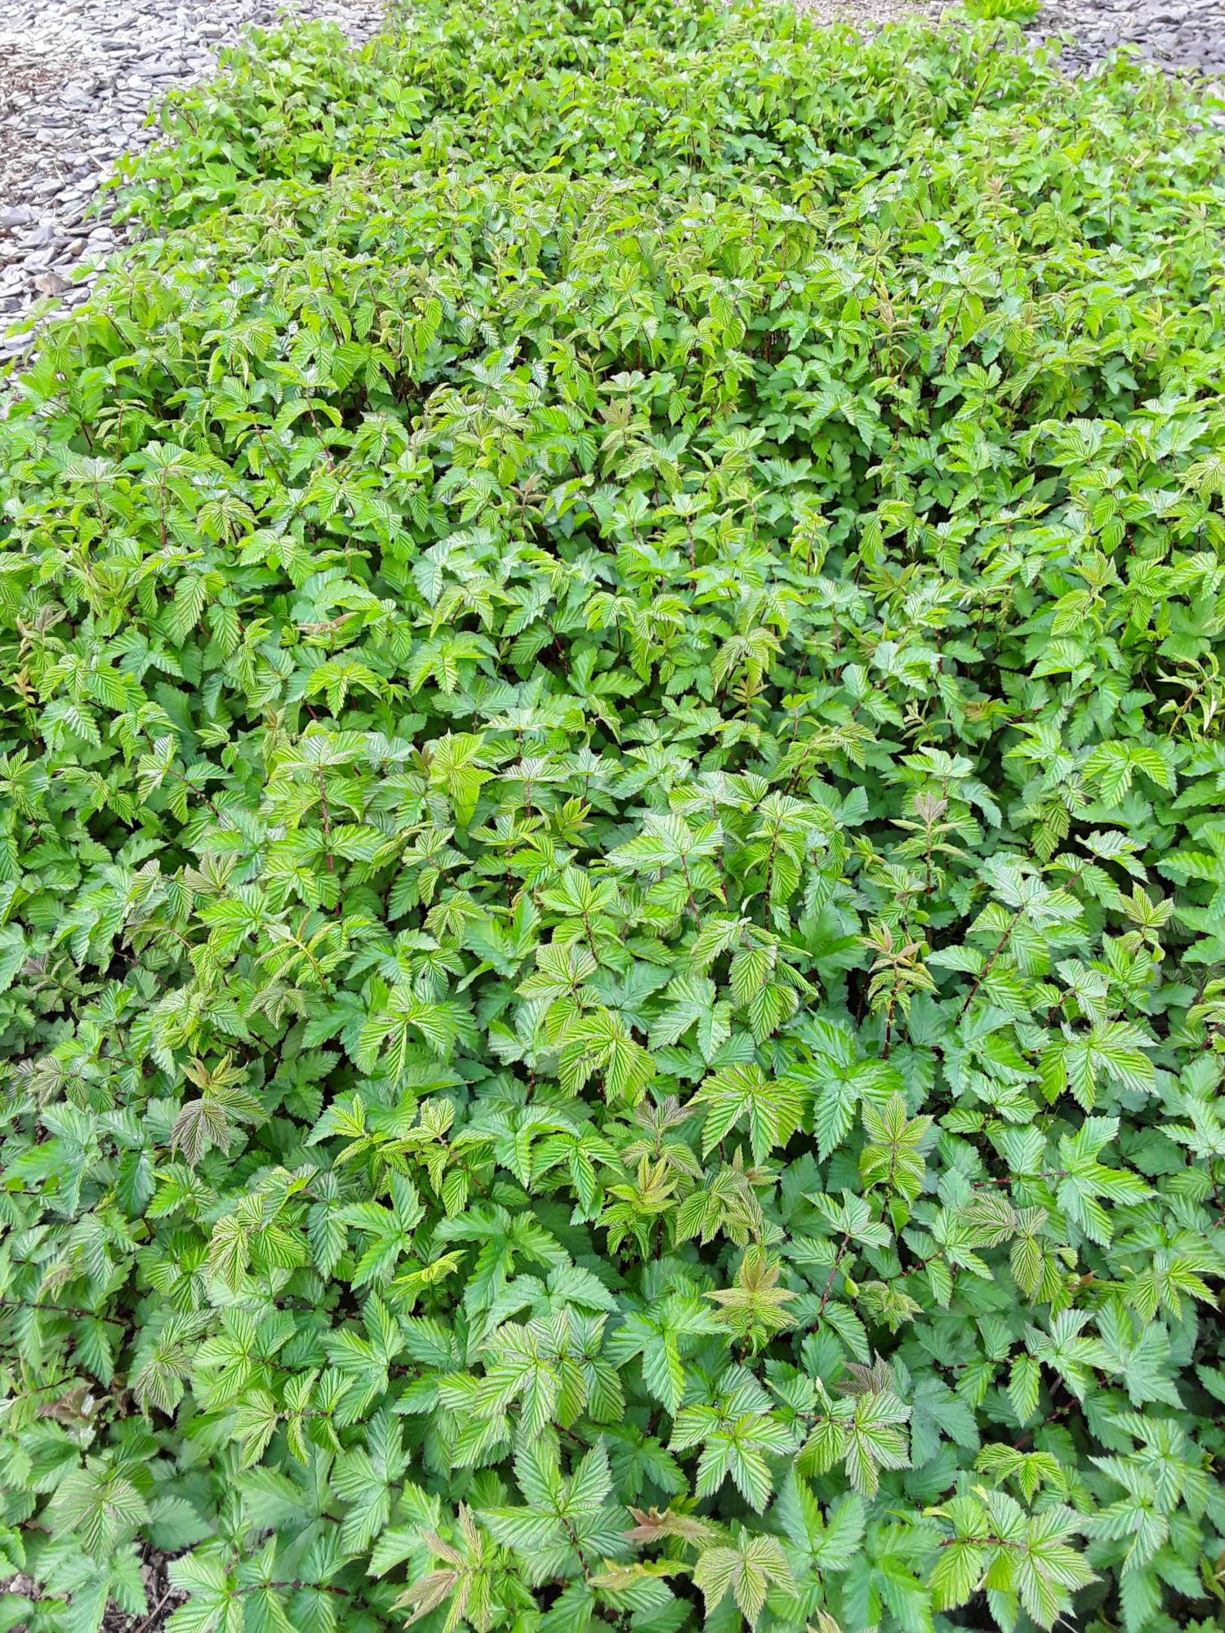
{"x": 1017, "y": 10}
{"x": 612, "y": 857}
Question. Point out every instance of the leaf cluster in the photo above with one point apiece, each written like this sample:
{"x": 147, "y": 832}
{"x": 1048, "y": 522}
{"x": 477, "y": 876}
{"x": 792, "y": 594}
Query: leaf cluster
{"x": 612, "y": 872}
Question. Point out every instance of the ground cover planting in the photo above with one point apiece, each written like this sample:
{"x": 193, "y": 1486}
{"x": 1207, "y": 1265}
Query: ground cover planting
{"x": 612, "y": 867}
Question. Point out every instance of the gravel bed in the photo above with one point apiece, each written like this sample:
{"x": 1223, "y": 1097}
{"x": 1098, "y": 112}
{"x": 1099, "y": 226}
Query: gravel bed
{"x": 1185, "y": 36}
{"x": 77, "y": 78}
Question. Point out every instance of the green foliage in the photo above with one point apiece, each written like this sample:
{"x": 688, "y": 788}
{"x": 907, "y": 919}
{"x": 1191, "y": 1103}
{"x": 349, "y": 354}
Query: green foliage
{"x": 612, "y": 881}
{"x": 1019, "y": 11}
